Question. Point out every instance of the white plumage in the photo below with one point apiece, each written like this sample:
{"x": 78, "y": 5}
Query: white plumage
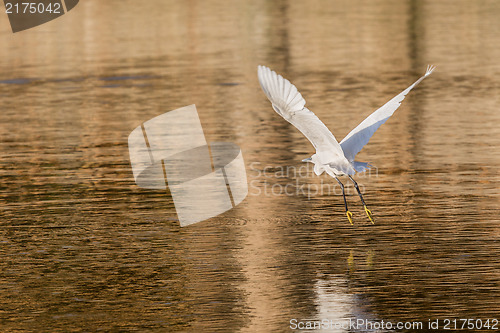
{"x": 330, "y": 157}
{"x": 359, "y": 136}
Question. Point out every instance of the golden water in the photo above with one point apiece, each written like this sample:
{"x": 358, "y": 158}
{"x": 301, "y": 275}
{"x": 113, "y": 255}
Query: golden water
{"x": 83, "y": 248}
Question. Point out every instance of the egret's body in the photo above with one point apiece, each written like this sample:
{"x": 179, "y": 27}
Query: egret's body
{"x": 332, "y": 157}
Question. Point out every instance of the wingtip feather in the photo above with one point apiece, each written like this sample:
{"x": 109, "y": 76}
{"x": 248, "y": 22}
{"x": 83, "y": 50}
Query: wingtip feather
{"x": 279, "y": 90}
{"x": 430, "y": 69}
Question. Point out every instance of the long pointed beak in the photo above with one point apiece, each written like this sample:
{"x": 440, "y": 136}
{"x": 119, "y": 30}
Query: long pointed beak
{"x": 307, "y": 159}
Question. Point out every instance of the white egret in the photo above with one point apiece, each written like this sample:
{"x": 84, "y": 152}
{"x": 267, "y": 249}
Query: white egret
{"x": 336, "y": 159}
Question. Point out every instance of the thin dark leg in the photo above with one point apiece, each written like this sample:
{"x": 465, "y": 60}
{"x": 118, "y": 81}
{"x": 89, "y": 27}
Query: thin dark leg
{"x": 357, "y": 189}
{"x": 368, "y": 212}
{"x": 347, "y": 212}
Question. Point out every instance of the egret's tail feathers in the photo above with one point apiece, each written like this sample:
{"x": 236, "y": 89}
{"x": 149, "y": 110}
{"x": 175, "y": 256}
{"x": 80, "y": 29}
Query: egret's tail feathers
{"x": 280, "y": 91}
{"x": 361, "y": 166}
{"x": 430, "y": 69}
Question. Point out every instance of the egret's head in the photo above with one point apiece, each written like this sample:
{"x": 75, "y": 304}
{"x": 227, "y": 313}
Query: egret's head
{"x": 313, "y": 159}
{"x": 310, "y": 159}
{"x": 318, "y": 167}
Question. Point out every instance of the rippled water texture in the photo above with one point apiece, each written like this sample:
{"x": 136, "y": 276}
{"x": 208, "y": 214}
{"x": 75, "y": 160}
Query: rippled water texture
{"x": 84, "y": 248}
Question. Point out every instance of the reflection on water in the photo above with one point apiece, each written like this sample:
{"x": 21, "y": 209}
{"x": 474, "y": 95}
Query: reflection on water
{"x": 84, "y": 248}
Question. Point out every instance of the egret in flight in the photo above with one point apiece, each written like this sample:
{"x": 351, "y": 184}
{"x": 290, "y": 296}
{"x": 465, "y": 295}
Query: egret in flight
{"x": 336, "y": 159}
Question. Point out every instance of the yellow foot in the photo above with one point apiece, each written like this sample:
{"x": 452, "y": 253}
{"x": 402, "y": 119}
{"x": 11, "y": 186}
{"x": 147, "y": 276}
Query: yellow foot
{"x": 369, "y": 213}
{"x": 349, "y": 216}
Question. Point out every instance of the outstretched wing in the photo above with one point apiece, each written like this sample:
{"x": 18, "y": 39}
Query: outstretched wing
{"x": 289, "y": 104}
{"x": 358, "y": 137}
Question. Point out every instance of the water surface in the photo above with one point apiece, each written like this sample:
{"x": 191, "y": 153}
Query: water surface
{"x": 83, "y": 248}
